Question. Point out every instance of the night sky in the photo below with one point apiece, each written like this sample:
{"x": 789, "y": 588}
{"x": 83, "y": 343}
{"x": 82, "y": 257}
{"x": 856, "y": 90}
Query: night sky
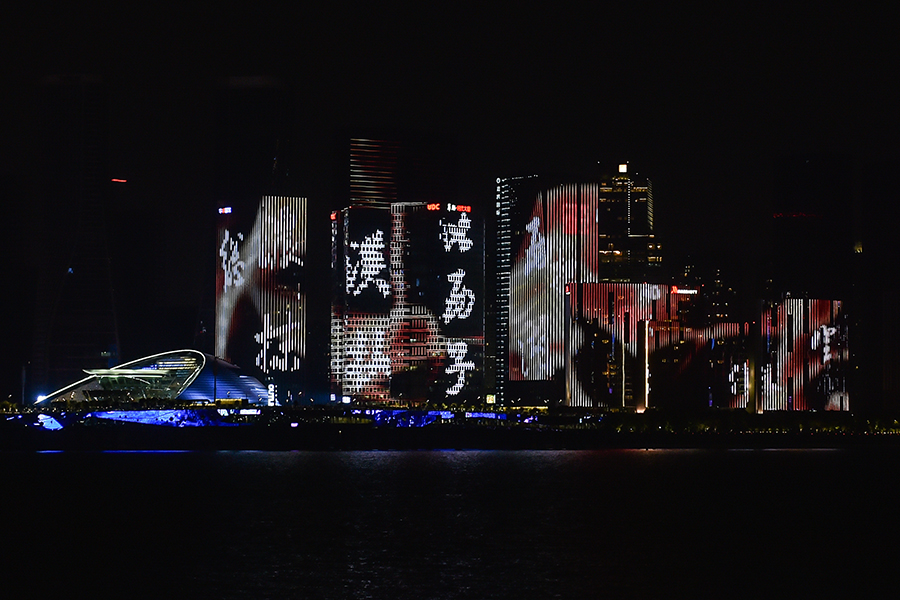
{"x": 705, "y": 100}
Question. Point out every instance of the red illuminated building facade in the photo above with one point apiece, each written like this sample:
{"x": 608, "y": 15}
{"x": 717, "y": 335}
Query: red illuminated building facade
{"x": 577, "y": 323}
{"x": 805, "y": 355}
{"x": 644, "y": 345}
{"x": 551, "y": 232}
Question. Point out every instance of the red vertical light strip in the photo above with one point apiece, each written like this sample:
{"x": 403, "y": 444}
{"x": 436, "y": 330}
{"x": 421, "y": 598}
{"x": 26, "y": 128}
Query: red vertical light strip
{"x": 304, "y": 284}
{"x": 593, "y": 234}
{"x": 566, "y": 216}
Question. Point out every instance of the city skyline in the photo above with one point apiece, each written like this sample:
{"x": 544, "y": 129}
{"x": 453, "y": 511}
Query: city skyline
{"x": 388, "y": 346}
{"x": 707, "y": 102}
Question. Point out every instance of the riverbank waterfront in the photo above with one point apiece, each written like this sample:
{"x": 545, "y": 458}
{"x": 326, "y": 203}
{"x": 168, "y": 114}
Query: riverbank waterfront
{"x": 403, "y": 429}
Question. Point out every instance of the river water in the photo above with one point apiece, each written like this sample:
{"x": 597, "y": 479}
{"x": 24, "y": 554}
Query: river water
{"x": 453, "y": 524}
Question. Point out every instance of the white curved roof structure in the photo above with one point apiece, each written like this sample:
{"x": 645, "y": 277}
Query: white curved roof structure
{"x": 177, "y": 375}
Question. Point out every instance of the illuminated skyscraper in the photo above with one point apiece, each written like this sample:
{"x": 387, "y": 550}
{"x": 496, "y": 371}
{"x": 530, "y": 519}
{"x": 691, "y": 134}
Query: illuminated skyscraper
{"x": 373, "y": 171}
{"x": 407, "y": 316}
{"x": 261, "y": 313}
{"x": 261, "y": 296}
{"x": 551, "y": 232}
{"x": 640, "y": 345}
{"x": 407, "y": 294}
{"x": 817, "y": 252}
{"x": 805, "y": 360}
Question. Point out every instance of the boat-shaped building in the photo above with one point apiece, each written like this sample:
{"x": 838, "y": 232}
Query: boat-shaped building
{"x": 180, "y": 376}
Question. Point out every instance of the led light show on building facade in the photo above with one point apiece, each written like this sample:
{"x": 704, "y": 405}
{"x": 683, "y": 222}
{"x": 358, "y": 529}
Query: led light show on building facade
{"x": 407, "y": 320}
{"x": 806, "y": 357}
{"x": 260, "y": 298}
{"x": 637, "y": 345}
{"x": 361, "y": 302}
{"x": 550, "y": 234}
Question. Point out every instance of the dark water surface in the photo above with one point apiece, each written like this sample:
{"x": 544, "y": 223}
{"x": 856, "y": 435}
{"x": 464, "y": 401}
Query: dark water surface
{"x": 461, "y": 524}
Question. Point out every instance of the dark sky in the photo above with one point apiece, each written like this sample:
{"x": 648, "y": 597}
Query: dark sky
{"x": 704, "y": 99}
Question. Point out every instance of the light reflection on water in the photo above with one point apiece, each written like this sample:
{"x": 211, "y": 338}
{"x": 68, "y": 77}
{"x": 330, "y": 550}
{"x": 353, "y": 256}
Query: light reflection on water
{"x": 456, "y": 524}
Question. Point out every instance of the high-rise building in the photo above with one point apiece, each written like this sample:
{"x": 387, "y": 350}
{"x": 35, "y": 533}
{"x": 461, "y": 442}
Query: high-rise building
{"x": 805, "y": 357}
{"x": 373, "y": 171}
{"x": 407, "y": 319}
{"x": 261, "y": 312}
{"x": 361, "y": 302}
{"x": 816, "y": 253}
{"x": 75, "y": 324}
{"x": 643, "y": 345}
{"x": 816, "y": 227}
{"x": 551, "y": 232}
{"x": 261, "y": 296}
{"x": 255, "y": 155}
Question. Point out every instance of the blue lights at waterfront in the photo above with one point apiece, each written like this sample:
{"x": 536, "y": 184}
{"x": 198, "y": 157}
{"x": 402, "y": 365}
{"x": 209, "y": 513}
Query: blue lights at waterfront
{"x": 405, "y": 418}
{"x": 420, "y": 418}
{"x": 48, "y": 422}
{"x": 486, "y": 415}
{"x": 203, "y": 417}
{"x": 170, "y": 418}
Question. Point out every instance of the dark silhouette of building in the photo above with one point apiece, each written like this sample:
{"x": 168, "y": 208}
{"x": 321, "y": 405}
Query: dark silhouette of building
{"x": 815, "y": 226}
{"x": 75, "y": 325}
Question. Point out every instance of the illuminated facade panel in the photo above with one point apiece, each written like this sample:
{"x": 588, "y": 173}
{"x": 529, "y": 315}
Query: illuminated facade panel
{"x": 550, "y": 234}
{"x": 443, "y": 266}
{"x": 806, "y": 356}
{"x": 630, "y": 345}
{"x": 373, "y": 169}
{"x": 260, "y": 298}
{"x": 415, "y": 330}
{"x": 361, "y": 302}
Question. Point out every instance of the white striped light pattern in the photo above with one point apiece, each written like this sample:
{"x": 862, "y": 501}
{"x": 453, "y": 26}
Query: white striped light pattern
{"x": 806, "y": 356}
{"x": 282, "y": 309}
{"x": 580, "y": 232}
{"x": 249, "y": 266}
{"x": 640, "y": 319}
{"x": 561, "y": 245}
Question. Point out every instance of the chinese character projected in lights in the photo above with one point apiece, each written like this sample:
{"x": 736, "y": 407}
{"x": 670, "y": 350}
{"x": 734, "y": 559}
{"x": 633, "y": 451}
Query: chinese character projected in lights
{"x": 461, "y": 300}
{"x": 262, "y": 268}
{"x": 368, "y": 266}
{"x": 408, "y": 322}
{"x": 457, "y": 352}
{"x": 456, "y": 233}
